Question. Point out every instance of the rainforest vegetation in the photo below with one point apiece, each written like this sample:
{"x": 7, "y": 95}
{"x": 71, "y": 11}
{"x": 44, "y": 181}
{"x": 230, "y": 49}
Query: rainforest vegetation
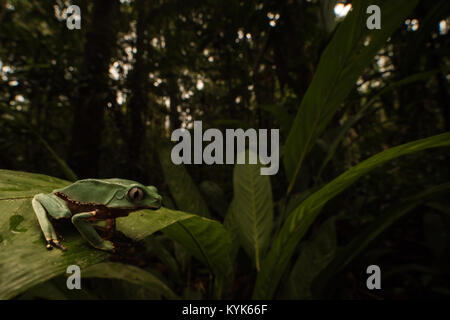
{"x": 364, "y": 133}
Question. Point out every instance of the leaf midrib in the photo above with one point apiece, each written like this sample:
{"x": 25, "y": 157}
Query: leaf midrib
{"x": 255, "y": 236}
{"x": 319, "y": 114}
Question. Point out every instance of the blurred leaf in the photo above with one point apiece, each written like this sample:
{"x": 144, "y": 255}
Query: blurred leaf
{"x": 157, "y": 247}
{"x": 182, "y": 256}
{"x": 328, "y": 16}
{"x": 232, "y": 228}
{"x": 208, "y": 241}
{"x": 214, "y": 197}
{"x": 314, "y": 256}
{"x": 46, "y": 290}
{"x": 280, "y": 114}
{"x": 183, "y": 189}
{"x": 345, "y": 255}
{"x": 362, "y": 111}
{"x": 56, "y": 289}
{"x": 344, "y": 59}
{"x": 252, "y": 209}
{"x": 210, "y": 244}
{"x": 68, "y": 173}
{"x": 205, "y": 239}
{"x": 299, "y": 220}
{"x": 131, "y": 274}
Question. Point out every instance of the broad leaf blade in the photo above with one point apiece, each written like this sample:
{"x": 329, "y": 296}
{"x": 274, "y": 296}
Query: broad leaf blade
{"x": 346, "y": 254}
{"x": 232, "y": 229}
{"x": 340, "y": 65}
{"x": 212, "y": 250}
{"x": 131, "y": 274}
{"x": 314, "y": 256}
{"x": 182, "y": 188}
{"x": 298, "y": 221}
{"x": 252, "y": 210}
{"x": 362, "y": 111}
{"x": 24, "y": 260}
{"x": 205, "y": 239}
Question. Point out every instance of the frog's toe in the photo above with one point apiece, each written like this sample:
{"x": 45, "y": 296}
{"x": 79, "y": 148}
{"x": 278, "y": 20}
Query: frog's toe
{"x": 55, "y": 243}
{"x": 60, "y": 237}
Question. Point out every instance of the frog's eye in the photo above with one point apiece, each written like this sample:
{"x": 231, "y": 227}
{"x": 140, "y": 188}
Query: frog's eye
{"x": 135, "y": 194}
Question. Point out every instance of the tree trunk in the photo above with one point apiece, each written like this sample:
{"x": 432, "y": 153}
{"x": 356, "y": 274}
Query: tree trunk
{"x": 94, "y": 89}
{"x": 138, "y": 100}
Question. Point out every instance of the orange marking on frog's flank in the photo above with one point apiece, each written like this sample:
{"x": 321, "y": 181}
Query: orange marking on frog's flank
{"x": 99, "y": 211}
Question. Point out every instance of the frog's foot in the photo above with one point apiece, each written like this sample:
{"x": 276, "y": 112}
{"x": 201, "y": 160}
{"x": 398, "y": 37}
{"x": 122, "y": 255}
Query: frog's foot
{"x": 55, "y": 243}
{"x": 60, "y": 237}
{"x": 107, "y": 246}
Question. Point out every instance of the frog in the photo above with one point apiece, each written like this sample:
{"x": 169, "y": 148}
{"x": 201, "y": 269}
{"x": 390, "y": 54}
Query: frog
{"x": 88, "y": 201}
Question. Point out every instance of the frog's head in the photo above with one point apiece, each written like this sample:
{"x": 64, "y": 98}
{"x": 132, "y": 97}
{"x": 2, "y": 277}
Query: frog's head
{"x": 132, "y": 194}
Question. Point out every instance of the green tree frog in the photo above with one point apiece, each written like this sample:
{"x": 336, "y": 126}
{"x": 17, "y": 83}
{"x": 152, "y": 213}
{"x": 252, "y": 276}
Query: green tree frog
{"x": 90, "y": 200}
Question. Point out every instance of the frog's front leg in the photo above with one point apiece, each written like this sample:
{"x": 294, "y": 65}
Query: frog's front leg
{"x": 49, "y": 204}
{"x": 87, "y": 230}
{"x": 110, "y": 227}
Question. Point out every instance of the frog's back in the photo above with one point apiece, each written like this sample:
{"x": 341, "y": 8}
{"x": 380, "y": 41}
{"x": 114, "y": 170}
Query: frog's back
{"x": 95, "y": 190}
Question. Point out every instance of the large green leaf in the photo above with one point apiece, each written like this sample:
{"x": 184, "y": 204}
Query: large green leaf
{"x": 208, "y": 241}
{"x": 131, "y": 274}
{"x": 212, "y": 246}
{"x": 205, "y": 239}
{"x": 348, "y": 53}
{"x": 252, "y": 210}
{"x": 217, "y": 252}
{"x": 182, "y": 188}
{"x": 24, "y": 261}
{"x": 299, "y": 220}
{"x": 232, "y": 229}
{"x": 362, "y": 111}
{"x": 314, "y": 256}
{"x": 346, "y": 254}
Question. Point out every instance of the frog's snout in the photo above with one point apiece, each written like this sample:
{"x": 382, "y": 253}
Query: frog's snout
{"x": 158, "y": 202}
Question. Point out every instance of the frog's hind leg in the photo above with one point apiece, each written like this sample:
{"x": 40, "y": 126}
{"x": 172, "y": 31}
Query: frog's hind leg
{"x": 42, "y": 204}
{"x": 87, "y": 230}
